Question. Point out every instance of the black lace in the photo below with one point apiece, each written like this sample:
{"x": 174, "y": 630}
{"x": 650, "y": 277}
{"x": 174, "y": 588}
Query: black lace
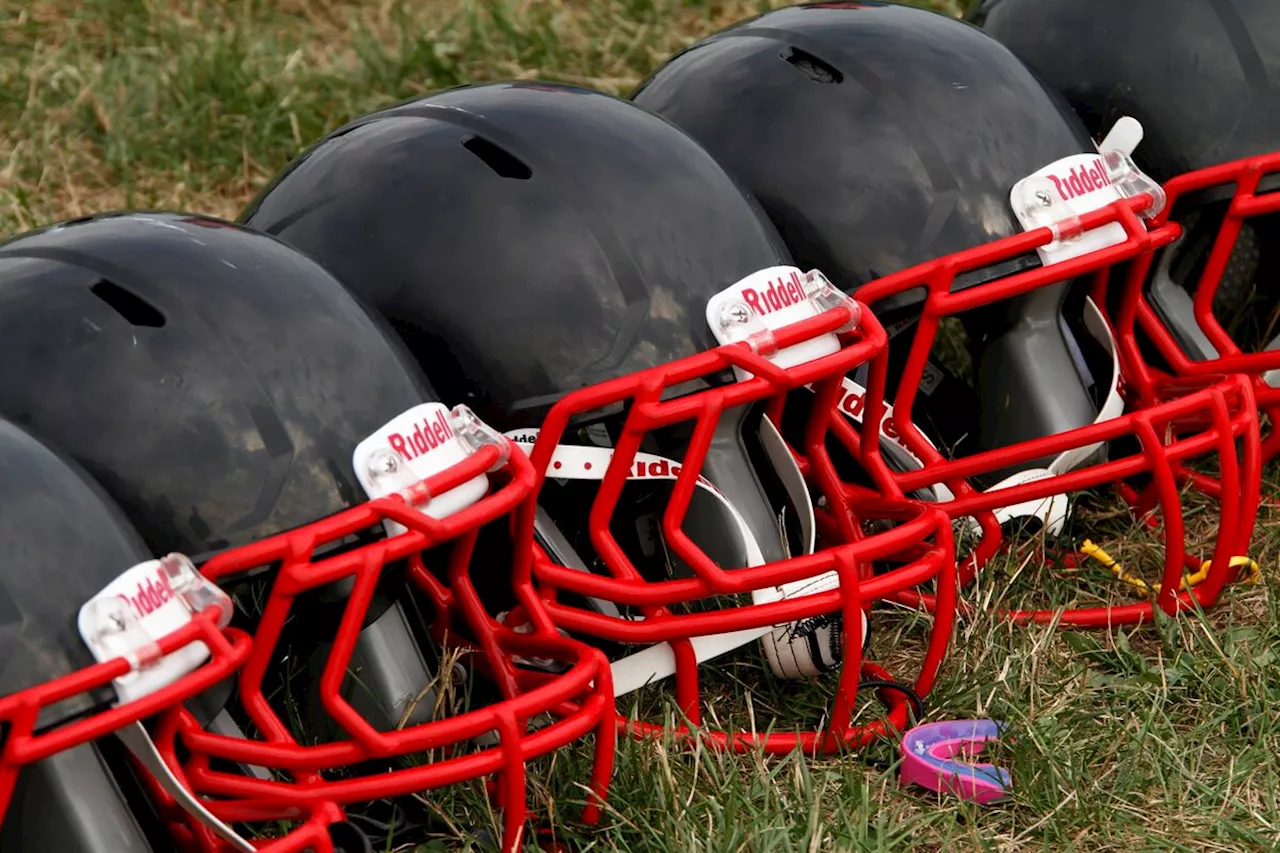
{"x": 913, "y": 698}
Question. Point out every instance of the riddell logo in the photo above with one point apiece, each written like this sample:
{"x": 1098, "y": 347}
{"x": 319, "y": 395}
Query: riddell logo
{"x": 430, "y": 434}
{"x": 150, "y": 596}
{"x": 781, "y": 293}
{"x": 1082, "y": 180}
{"x": 855, "y": 400}
{"x": 660, "y": 469}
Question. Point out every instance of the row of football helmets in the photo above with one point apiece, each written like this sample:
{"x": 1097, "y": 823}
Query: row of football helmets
{"x": 505, "y": 403}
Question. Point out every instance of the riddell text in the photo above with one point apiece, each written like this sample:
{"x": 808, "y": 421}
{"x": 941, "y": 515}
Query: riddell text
{"x": 1082, "y": 180}
{"x": 430, "y": 434}
{"x": 781, "y": 293}
{"x": 151, "y": 595}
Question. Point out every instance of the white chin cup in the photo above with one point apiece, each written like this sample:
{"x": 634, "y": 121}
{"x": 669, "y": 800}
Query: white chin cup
{"x": 809, "y": 647}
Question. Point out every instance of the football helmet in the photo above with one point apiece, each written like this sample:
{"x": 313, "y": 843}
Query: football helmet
{"x": 65, "y": 541}
{"x": 891, "y": 145}
{"x": 252, "y": 419}
{"x": 567, "y": 263}
{"x": 1203, "y": 78}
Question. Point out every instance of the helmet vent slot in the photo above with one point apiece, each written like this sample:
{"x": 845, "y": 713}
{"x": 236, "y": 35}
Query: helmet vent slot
{"x": 135, "y": 309}
{"x": 502, "y": 162}
{"x": 817, "y": 70}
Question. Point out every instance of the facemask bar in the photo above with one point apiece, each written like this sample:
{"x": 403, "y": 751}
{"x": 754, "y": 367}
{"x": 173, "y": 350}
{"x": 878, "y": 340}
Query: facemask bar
{"x": 1181, "y": 327}
{"x": 678, "y": 633}
{"x": 18, "y": 711}
{"x": 578, "y": 699}
{"x": 1218, "y": 417}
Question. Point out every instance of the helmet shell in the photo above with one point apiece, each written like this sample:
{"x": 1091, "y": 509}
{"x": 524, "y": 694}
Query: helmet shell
{"x": 63, "y": 540}
{"x": 1203, "y": 78}
{"x": 212, "y": 379}
{"x": 876, "y": 136}
{"x": 525, "y": 239}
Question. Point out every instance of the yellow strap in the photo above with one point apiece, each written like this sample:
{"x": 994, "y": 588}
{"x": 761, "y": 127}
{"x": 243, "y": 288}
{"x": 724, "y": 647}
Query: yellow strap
{"x": 1094, "y": 552}
{"x": 1255, "y": 571}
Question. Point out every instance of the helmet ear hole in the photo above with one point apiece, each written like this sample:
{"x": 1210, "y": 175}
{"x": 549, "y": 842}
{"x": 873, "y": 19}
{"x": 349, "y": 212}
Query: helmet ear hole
{"x": 817, "y": 70}
{"x": 129, "y": 305}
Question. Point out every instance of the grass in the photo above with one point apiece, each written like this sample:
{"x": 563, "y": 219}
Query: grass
{"x": 1164, "y": 738}
{"x": 189, "y": 104}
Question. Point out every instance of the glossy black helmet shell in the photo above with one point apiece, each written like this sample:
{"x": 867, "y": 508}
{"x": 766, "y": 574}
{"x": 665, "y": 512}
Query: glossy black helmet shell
{"x": 214, "y": 381}
{"x": 63, "y": 540}
{"x": 1203, "y": 76}
{"x": 876, "y": 136}
{"x": 525, "y": 239}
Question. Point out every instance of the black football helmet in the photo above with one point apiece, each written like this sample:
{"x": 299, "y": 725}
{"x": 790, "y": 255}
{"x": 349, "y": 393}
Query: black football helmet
{"x": 560, "y": 260}
{"x": 878, "y": 137}
{"x": 249, "y": 416}
{"x": 1203, "y": 78}
{"x": 65, "y": 540}
{"x": 891, "y": 146}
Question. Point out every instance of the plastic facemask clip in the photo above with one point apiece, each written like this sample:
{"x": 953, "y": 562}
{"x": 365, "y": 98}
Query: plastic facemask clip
{"x": 117, "y": 633}
{"x": 196, "y": 592}
{"x": 475, "y": 434}
{"x": 825, "y": 296}
{"x": 113, "y": 630}
{"x": 1042, "y": 207}
{"x": 387, "y": 465}
{"x": 1130, "y": 181}
{"x": 741, "y": 325}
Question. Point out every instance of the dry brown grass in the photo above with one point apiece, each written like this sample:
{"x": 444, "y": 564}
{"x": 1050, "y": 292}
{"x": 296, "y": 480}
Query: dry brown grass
{"x": 111, "y": 104}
